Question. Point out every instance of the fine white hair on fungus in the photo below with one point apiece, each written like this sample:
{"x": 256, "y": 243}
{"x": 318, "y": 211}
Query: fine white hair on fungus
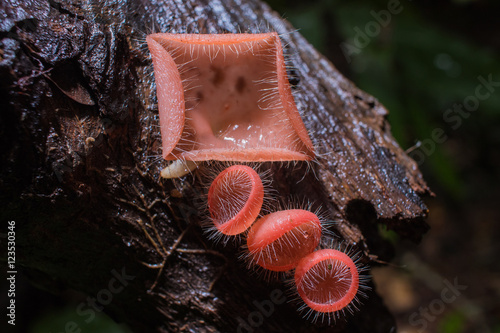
{"x": 236, "y": 189}
{"x": 294, "y": 77}
{"x": 295, "y": 202}
{"x": 266, "y": 101}
{"x": 321, "y": 271}
{"x": 290, "y": 240}
{"x": 286, "y": 245}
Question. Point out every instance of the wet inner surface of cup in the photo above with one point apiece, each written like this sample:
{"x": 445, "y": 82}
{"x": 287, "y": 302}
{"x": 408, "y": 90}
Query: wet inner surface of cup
{"x": 327, "y": 281}
{"x": 229, "y": 196}
{"x": 232, "y": 100}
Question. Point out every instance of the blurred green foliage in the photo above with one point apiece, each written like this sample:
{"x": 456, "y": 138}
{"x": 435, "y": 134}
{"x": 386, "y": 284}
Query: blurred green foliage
{"x": 454, "y": 322}
{"x": 387, "y": 234}
{"x": 415, "y": 67}
{"x": 67, "y": 320}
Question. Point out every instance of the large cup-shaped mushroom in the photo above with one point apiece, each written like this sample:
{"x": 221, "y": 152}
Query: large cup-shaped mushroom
{"x": 226, "y": 97}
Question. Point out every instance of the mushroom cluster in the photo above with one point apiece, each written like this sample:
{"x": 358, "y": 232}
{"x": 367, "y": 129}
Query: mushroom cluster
{"x": 227, "y": 97}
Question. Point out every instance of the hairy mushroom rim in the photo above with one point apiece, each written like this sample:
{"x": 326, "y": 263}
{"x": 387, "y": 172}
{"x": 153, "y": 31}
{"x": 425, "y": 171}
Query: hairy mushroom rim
{"x": 226, "y": 97}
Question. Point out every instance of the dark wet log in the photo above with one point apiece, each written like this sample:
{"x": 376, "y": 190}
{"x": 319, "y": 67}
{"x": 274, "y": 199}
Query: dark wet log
{"x": 80, "y": 168}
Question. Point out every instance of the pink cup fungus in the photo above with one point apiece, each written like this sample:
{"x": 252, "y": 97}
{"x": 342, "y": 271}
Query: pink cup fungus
{"x": 327, "y": 281}
{"x": 226, "y": 97}
{"x": 278, "y": 241}
{"x": 235, "y": 199}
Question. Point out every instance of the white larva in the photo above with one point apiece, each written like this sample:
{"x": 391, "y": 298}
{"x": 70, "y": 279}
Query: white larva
{"x": 178, "y": 168}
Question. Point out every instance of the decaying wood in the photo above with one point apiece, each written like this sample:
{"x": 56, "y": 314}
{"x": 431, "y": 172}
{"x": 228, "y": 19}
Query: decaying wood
{"x": 80, "y": 167}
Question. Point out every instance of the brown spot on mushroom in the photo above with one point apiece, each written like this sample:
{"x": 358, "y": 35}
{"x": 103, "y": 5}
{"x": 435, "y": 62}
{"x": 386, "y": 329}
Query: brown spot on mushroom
{"x": 219, "y": 76}
{"x": 240, "y": 84}
{"x": 199, "y": 96}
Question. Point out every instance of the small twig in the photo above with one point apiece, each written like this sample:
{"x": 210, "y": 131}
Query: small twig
{"x": 132, "y": 204}
{"x": 151, "y": 217}
{"x": 167, "y": 255}
{"x": 141, "y": 224}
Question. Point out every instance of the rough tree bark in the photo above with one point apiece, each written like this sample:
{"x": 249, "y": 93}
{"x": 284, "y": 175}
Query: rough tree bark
{"x": 80, "y": 167}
